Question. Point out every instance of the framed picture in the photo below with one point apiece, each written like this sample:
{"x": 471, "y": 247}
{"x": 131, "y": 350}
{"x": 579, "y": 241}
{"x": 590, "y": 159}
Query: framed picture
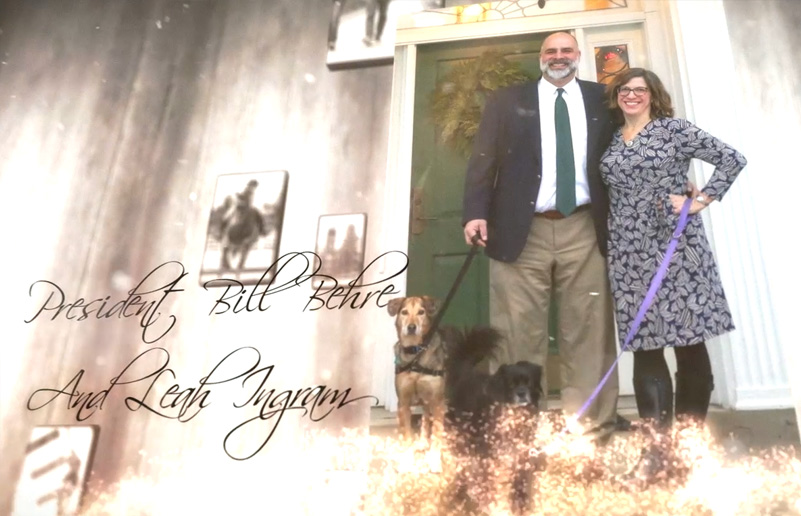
{"x": 610, "y": 60}
{"x": 244, "y": 232}
{"x": 57, "y": 462}
{"x": 340, "y": 247}
{"x": 362, "y": 32}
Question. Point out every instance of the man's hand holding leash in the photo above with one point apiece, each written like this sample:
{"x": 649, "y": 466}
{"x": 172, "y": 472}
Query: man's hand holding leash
{"x": 476, "y": 228}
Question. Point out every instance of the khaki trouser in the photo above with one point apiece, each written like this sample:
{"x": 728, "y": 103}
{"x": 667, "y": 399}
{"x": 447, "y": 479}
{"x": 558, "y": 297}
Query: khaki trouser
{"x": 561, "y": 258}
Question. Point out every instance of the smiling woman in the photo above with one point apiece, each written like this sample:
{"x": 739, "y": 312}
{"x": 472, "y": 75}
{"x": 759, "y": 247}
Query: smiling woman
{"x": 646, "y": 171}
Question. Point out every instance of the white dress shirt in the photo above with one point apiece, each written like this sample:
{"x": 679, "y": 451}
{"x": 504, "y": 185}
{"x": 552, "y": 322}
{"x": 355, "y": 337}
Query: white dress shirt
{"x": 546, "y": 199}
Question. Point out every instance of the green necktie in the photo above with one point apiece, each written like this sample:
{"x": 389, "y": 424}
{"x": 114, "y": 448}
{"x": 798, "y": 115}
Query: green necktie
{"x": 565, "y": 165}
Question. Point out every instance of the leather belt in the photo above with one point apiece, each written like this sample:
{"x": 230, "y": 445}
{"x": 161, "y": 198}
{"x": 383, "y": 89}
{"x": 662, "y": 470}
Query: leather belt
{"x": 556, "y": 214}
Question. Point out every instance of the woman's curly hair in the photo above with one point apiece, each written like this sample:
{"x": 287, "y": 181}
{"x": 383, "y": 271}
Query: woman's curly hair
{"x": 661, "y": 105}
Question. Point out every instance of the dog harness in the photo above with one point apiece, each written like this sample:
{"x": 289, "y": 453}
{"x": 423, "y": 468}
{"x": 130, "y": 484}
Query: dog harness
{"x": 417, "y": 368}
{"x": 413, "y": 366}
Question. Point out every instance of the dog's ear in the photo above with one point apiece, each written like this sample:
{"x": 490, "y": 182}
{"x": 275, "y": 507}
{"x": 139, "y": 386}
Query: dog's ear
{"x": 430, "y": 304}
{"x": 496, "y": 385}
{"x": 394, "y": 305}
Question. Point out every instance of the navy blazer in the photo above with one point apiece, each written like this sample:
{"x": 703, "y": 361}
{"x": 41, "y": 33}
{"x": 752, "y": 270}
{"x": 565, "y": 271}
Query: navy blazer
{"x": 505, "y": 168}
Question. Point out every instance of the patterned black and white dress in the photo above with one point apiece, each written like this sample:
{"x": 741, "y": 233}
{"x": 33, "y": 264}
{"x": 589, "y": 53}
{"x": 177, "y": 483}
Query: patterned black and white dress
{"x": 690, "y": 306}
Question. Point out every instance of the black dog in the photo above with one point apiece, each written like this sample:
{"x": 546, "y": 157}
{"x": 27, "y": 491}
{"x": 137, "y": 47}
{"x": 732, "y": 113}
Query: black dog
{"x": 491, "y": 423}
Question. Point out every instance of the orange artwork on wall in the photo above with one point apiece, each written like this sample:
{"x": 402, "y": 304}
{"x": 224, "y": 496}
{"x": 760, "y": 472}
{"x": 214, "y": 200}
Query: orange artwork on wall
{"x": 610, "y": 60}
{"x": 592, "y": 5}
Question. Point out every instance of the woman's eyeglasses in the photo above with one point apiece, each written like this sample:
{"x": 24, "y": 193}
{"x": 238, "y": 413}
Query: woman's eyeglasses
{"x": 638, "y": 91}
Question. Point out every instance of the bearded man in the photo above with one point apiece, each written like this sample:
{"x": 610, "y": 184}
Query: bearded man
{"x": 534, "y": 195}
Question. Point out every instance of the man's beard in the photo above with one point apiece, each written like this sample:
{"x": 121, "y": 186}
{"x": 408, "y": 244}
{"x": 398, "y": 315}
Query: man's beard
{"x": 572, "y": 66}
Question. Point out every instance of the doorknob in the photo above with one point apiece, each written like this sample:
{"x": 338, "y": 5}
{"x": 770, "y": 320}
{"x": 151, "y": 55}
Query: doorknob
{"x": 418, "y": 219}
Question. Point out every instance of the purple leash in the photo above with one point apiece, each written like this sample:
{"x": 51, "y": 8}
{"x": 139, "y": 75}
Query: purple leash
{"x": 649, "y": 298}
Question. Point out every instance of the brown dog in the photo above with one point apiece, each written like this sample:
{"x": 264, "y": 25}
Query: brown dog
{"x": 419, "y": 372}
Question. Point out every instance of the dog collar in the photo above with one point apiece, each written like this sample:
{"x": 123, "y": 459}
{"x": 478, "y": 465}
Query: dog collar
{"x": 412, "y": 350}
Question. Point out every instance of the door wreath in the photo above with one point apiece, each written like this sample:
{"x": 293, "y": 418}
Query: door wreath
{"x": 458, "y": 99}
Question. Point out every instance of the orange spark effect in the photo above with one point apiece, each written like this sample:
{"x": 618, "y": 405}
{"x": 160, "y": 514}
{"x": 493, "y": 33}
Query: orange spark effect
{"x": 361, "y": 475}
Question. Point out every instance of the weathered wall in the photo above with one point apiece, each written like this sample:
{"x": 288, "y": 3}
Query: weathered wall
{"x": 764, "y": 41}
{"x": 115, "y": 120}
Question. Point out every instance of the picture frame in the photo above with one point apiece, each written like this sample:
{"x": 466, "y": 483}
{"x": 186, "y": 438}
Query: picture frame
{"x": 610, "y": 60}
{"x": 340, "y": 248}
{"x": 57, "y": 462}
{"x": 245, "y": 226}
{"x": 362, "y": 32}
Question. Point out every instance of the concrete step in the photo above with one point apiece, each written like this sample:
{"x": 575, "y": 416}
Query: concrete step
{"x": 753, "y": 429}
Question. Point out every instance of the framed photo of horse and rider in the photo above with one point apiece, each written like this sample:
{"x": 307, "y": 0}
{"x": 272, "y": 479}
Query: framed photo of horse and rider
{"x": 244, "y": 226}
{"x": 244, "y": 233}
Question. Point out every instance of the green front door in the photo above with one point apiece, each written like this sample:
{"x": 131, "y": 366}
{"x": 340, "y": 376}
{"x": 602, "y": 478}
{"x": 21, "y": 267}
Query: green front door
{"x": 436, "y": 244}
{"x": 436, "y": 247}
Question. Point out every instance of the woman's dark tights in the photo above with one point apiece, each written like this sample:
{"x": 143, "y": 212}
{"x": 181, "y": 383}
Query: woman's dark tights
{"x": 691, "y": 360}
{"x": 653, "y": 386}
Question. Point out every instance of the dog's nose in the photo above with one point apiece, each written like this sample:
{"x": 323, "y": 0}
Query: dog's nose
{"x": 411, "y": 329}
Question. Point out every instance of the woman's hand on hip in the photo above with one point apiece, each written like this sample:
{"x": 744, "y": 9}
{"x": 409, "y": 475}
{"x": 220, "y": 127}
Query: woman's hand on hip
{"x": 678, "y": 202}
